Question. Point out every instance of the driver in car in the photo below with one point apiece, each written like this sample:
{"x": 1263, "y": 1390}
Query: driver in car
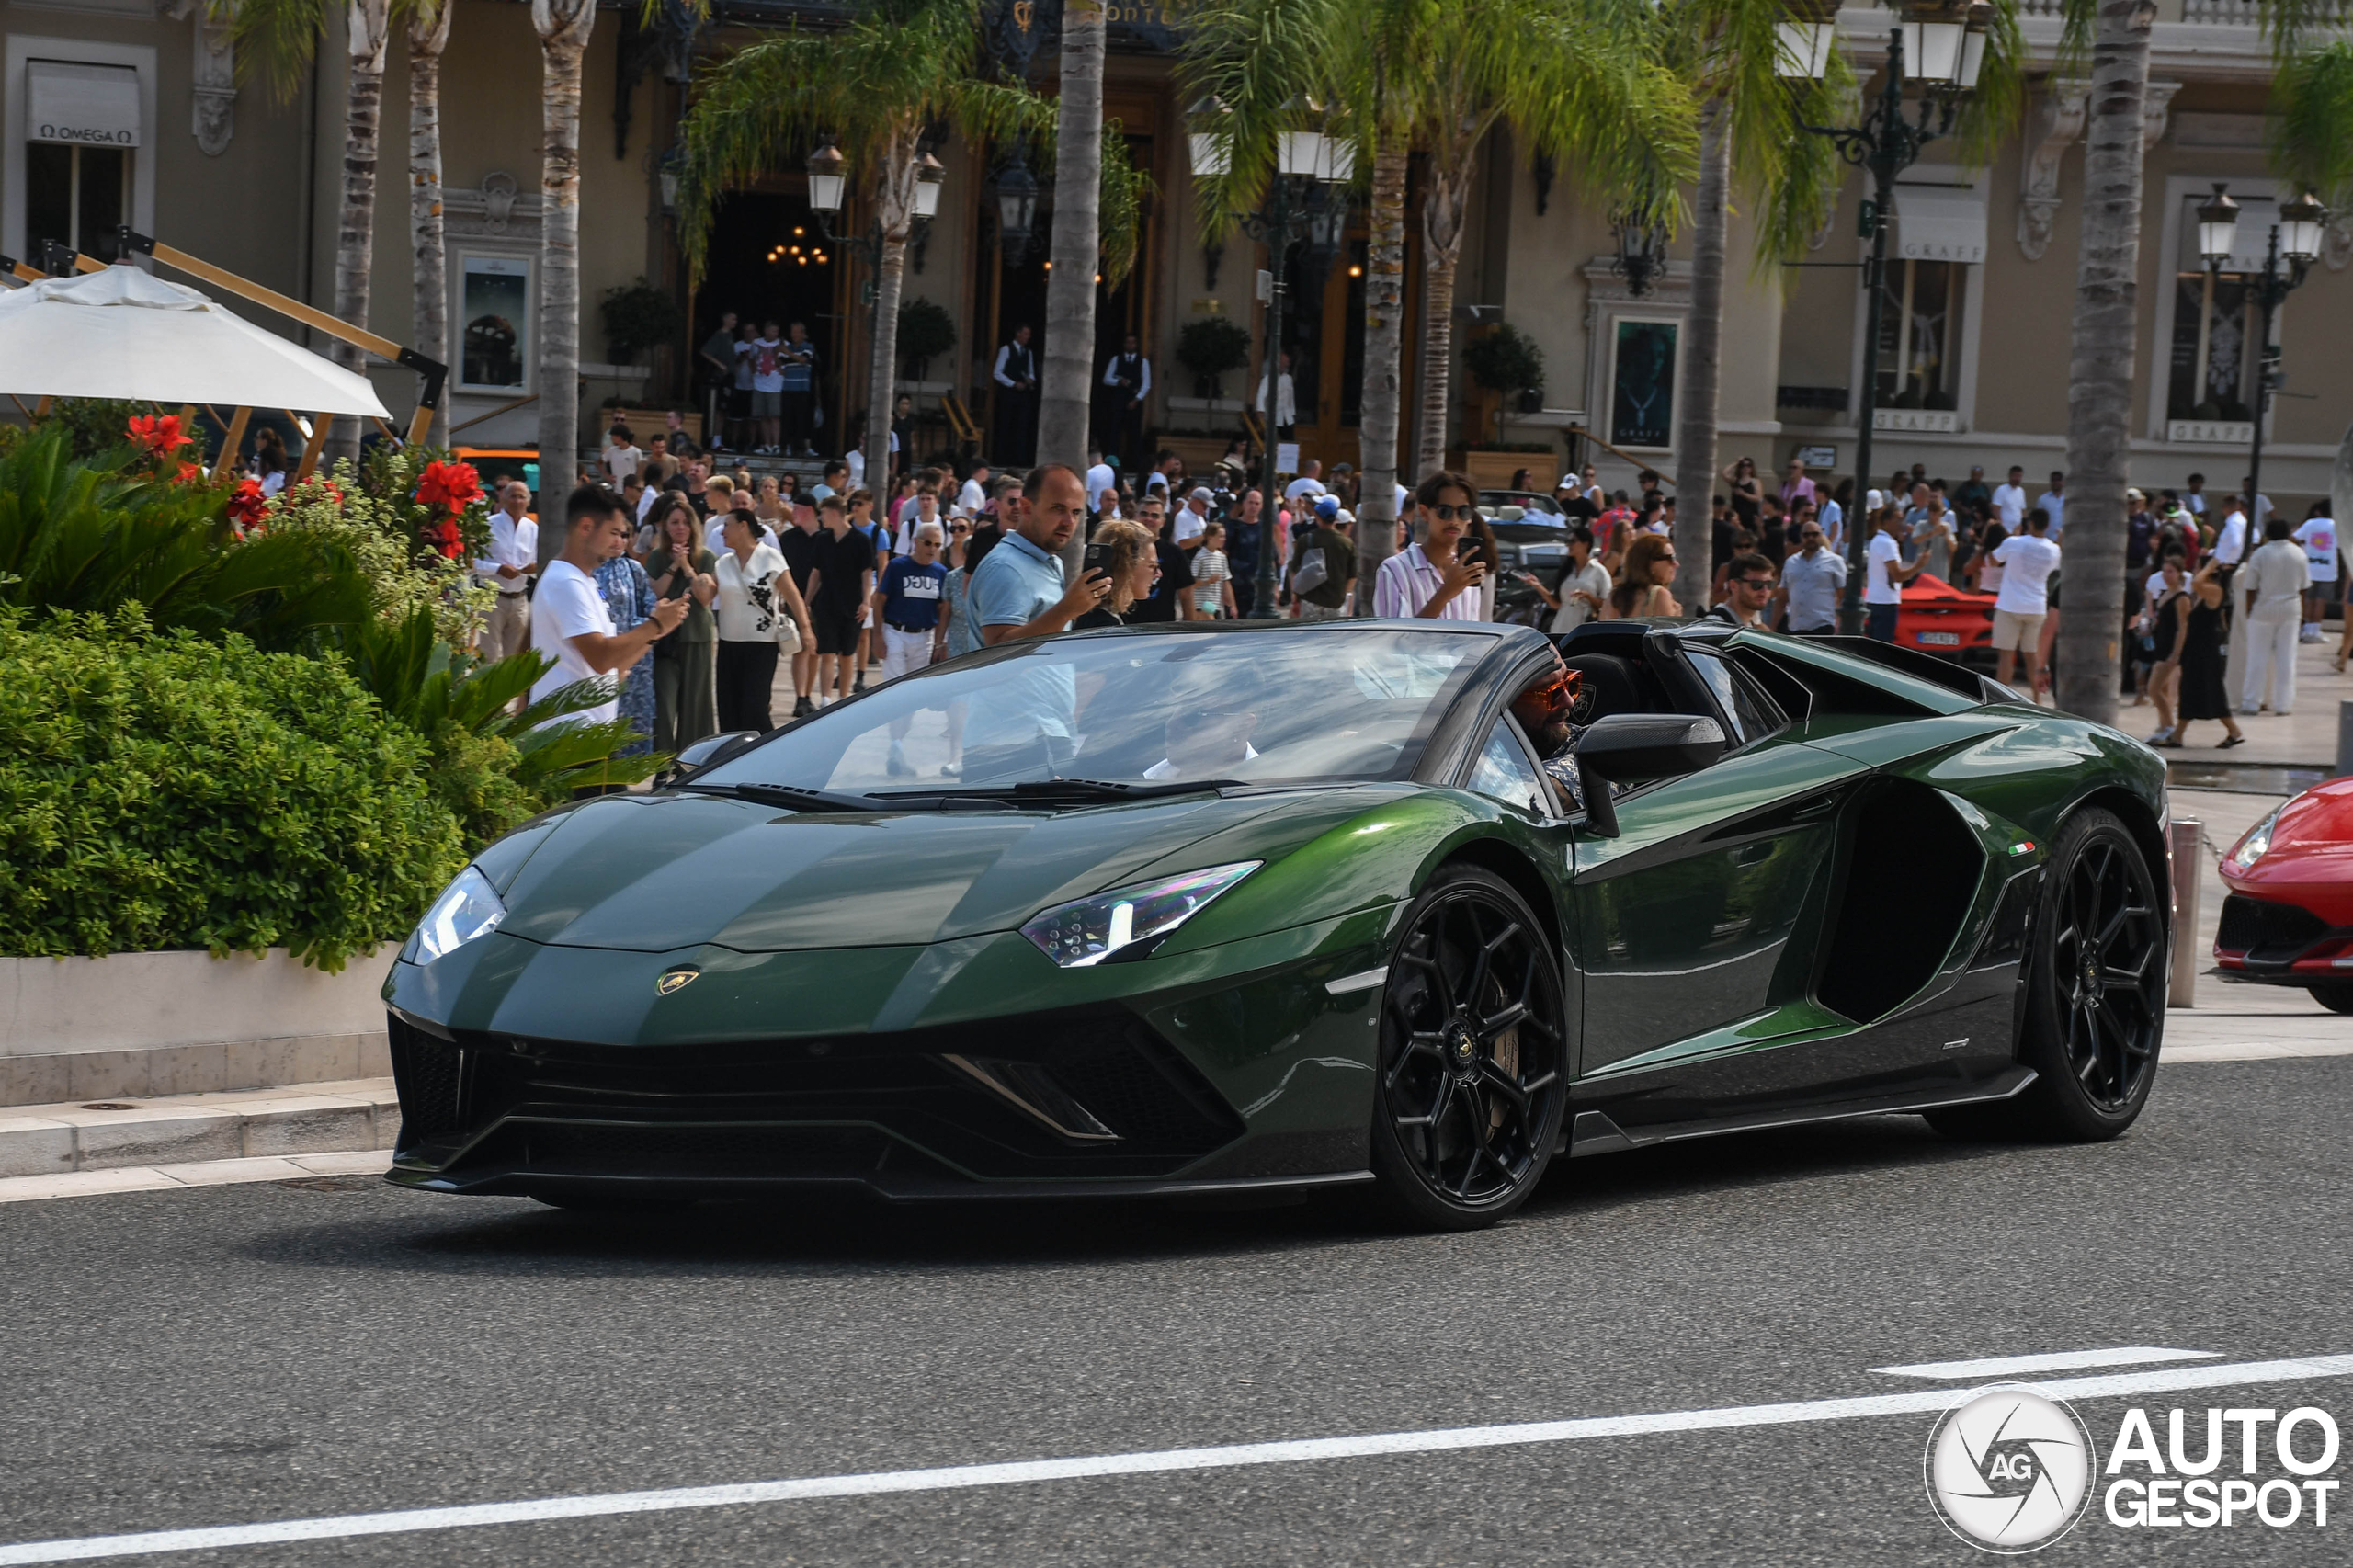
{"x": 1205, "y": 743}
{"x": 1543, "y": 708}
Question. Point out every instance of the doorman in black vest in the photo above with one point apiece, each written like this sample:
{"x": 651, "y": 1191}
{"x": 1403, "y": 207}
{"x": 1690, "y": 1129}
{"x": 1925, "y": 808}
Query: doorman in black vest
{"x": 1016, "y": 441}
{"x": 1125, "y": 384}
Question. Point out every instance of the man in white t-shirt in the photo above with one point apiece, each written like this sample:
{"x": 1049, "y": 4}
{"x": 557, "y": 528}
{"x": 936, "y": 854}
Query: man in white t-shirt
{"x": 1884, "y": 575}
{"x": 1309, "y": 482}
{"x": 2317, "y": 534}
{"x": 1100, "y": 476}
{"x": 1193, "y": 518}
{"x": 569, "y": 620}
{"x": 2027, "y": 560}
{"x": 975, "y": 492}
{"x": 2009, "y": 500}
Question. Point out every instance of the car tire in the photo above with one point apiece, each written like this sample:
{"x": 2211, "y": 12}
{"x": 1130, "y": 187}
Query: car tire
{"x": 1473, "y": 1080}
{"x": 2094, "y": 1009}
{"x": 2337, "y": 996}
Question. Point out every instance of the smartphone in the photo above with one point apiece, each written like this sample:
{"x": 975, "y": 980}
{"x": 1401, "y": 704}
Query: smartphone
{"x": 1097, "y": 559}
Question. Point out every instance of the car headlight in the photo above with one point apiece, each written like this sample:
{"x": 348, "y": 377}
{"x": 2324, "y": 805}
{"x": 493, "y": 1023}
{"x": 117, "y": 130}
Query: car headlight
{"x": 468, "y": 907}
{"x": 1089, "y": 930}
{"x": 2257, "y": 842}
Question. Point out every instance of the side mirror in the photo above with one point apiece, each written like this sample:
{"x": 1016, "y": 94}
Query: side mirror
{"x": 696, "y": 756}
{"x": 1632, "y": 747}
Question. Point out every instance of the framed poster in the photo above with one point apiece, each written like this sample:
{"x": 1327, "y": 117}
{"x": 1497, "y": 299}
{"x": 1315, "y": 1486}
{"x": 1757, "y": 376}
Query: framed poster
{"x": 495, "y": 346}
{"x": 1642, "y": 383}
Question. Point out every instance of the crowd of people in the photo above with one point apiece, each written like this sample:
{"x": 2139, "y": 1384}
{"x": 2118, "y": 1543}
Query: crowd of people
{"x": 844, "y": 582}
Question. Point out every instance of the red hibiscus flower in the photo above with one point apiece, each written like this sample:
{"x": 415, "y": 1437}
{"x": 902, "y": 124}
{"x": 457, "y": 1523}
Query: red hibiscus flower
{"x": 444, "y": 537}
{"x": 246, "y": 506}
{"x": 157, "y": 433}
{"x": 453, "y": 486}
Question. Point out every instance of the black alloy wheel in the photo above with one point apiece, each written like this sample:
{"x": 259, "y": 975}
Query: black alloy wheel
{"x": 2095, "y": 1006}
{"x": 1473, "y": 1055}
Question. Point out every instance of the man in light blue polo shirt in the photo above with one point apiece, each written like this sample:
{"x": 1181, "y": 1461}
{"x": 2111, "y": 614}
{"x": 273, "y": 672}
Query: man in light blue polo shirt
{"x": 1029, "y": 727}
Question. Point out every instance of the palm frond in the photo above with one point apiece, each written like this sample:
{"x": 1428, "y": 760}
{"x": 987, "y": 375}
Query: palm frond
{"x": 2311, "y": 137}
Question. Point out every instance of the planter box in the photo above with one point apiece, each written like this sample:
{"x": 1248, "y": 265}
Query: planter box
{"x": 181, "y": 1022}
{"x": 1199, "y": 452}
{"x": 645, "y": 423}
{"x": 1492, "y": 471}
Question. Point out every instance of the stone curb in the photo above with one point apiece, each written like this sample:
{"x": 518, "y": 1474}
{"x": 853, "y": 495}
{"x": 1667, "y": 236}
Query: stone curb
{"x": 317, "y": 1118}
{"x": 207, "y": 1172}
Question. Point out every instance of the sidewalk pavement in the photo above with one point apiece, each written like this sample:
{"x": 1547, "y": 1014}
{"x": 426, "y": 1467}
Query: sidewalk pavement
{"x": 2306, "y": 737}
{"x": 269, "y": 1134}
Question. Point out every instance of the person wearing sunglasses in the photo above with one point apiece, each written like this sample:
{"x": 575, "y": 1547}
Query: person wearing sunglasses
{"x": 1546, "y": 708}
{"x": 1748, "y": 588}
{"x": 1811, "y": 580}
{"x": 1642, "y": 589}
{"x": 1432, "y": 579}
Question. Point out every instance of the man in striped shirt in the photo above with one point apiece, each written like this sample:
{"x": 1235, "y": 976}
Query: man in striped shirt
{"x": 1428, "y": 580}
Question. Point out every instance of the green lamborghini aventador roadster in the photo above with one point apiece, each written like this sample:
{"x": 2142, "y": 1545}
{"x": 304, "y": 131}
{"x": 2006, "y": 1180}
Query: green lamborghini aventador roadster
{"x": 1205, "y": 908}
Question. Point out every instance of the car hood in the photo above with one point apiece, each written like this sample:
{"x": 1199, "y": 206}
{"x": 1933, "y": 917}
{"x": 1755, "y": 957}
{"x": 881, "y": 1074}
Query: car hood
{"x": 650, "y": 873}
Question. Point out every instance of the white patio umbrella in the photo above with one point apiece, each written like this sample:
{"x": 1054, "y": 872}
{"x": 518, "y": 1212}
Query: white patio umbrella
{"x": 120, "y": 333}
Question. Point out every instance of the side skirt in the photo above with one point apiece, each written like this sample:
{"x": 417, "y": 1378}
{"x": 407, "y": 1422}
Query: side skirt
{"x": 1592, "y": 1132}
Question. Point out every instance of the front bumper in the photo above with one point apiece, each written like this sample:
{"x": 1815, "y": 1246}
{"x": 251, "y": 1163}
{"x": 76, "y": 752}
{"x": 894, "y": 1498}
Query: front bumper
{"x": 531, "y": 1070}
{"x": 2273, "y": 943}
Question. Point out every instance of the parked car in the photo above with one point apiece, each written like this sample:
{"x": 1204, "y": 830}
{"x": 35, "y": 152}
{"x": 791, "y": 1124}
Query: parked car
{"x": 1532, "y": 536}
{"x": 2289, "y": 917}
{"x": 1938, "y": 618}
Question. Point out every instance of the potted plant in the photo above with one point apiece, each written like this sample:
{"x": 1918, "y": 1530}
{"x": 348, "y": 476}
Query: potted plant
{"x": 1506, "y": 362}
{"x": 926, "y": 332}
{"x": 638, "y": 316}
{"x": 1210, "y": 347}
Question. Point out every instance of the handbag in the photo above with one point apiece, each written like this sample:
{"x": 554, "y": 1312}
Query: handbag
{"x": 1311, "y": 573}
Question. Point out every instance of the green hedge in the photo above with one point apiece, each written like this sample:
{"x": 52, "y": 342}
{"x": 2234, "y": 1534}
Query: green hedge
{"x": 163, "y": 792}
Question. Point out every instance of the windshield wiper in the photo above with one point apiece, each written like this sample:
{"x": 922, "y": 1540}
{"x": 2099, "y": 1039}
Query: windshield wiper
{"x": 1043, "y": 790}
{"x": 794, "y": 796}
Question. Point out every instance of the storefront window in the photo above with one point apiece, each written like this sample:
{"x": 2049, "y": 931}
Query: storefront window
{"x": 1919, "y": 335}
{"x": 75, "y": 195}
{"x": 2212, "y": 327}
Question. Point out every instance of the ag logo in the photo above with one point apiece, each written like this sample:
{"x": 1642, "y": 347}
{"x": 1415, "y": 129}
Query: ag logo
{"x": 676, "y": 979}
{"x": 2010, "y": 1471}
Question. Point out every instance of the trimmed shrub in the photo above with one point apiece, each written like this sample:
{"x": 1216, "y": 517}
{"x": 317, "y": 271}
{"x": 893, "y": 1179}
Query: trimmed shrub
{"x": 161, "y": 790}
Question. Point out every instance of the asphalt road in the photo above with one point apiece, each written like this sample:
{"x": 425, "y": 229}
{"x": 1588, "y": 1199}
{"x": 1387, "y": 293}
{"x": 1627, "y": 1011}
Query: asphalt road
{"x": 231, "y": 1355}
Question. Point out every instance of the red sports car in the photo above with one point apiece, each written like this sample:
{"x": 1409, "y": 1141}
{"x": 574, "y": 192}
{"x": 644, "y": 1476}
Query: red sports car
{"x": 2289, "y": 918}
{"x": 1938, "y": 618}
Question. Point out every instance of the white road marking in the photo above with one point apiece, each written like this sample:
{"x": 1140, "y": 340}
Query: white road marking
{"x": 2053, "y": 1361}
{"x": 954, "y": 1478}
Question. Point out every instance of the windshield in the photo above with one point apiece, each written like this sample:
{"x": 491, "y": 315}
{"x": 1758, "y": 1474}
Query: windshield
{"x": 1156, "y": 708}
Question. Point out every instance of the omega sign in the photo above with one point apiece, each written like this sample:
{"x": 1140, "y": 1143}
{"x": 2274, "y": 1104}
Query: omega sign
{"x": 71, "y": 101}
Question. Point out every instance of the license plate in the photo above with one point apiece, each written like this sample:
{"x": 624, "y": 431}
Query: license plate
{"x": 1941, "y": 639}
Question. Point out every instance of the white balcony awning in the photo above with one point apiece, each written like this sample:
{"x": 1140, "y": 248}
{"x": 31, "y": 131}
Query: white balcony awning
{"x": 1939, "y": 223}
{"x": 94, "y": 105}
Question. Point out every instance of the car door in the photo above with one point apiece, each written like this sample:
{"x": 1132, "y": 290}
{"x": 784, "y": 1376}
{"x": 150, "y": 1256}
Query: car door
{"x": 1696, "y": 925}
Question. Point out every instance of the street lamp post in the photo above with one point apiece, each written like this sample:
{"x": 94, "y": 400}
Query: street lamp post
{"x": 1938, "y": 46}
{"x": 1304, "y": 159}
{"x": 827, "y": 183}
{"x": 2296, "y": 239}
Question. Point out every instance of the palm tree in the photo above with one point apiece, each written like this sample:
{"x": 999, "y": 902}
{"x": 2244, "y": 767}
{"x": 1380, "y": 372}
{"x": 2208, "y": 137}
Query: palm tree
{"x": 872, "y": 89}
{"x": 1571, "y": 75}
{"x": 428, "y": 35}
{"x": 1574, "y": 81}
{"x": 564, "y": 27}
{"x": 281, "y": 38}
{"x": 1067, "y": 386}
{"x": 1752, "y": 135}
{"x": 2311, "y": 148}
